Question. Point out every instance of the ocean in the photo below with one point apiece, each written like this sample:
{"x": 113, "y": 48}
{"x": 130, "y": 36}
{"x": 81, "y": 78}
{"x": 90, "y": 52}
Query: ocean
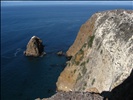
{"x": 27, "y": 78}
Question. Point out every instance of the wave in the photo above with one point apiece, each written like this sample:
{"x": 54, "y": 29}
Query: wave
{"x": 17, "y": 51}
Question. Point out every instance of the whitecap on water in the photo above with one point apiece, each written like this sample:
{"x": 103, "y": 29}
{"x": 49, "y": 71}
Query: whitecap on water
{"x": 17, "y": 51}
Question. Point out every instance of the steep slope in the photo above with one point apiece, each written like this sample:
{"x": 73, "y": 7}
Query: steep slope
{"x": 82, "y": 36}
{"x": 102, "y": 53}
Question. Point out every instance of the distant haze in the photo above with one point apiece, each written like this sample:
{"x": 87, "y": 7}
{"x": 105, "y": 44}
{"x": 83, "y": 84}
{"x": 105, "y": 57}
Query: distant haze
{"x": 15, "y": 3}
{"x": 65, "y": 0}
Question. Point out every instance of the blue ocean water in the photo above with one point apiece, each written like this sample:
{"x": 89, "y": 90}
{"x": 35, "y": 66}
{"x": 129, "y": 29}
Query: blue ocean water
{"x": 27, "y": 78}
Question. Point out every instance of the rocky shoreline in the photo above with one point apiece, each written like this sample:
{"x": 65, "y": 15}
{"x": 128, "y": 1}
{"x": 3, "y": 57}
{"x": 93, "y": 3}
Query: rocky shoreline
{"x": 101, "y": 60}
{"x": 74, "y": 96}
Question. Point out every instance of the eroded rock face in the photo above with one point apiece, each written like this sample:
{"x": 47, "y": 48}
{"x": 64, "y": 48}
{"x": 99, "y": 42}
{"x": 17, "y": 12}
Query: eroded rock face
{"x": 35, "y": 47}
{"x": 104, "y": 58}
{"x": 83, "y": 34}
{"x": 74, "y": 96}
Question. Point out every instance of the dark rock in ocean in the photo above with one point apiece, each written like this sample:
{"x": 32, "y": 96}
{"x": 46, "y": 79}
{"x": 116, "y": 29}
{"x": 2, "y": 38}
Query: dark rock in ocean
{"x": 35, "y": 47}
{"x": 68, "y": 57}
{"x": 60, "y": 53}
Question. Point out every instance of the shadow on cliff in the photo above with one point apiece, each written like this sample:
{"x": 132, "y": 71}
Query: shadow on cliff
{"x": 122, "y": 92}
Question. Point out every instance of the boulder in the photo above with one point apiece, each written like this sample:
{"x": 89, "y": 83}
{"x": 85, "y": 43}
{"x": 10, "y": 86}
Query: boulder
{"x": 60, "y": 53}
{"x": 74, "y": 96}
{"x": 35, "y": 47}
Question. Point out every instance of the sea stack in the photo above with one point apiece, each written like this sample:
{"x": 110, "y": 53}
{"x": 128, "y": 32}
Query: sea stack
{"x": 35, "y": 47}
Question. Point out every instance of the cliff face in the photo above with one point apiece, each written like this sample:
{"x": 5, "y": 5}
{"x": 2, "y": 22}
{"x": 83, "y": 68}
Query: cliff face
{"x": 82, "y": 36}
{"x": 102, "y": 53}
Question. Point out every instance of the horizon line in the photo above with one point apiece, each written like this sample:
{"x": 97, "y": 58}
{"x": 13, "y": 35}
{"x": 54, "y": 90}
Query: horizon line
{"x": 11, "y": 3}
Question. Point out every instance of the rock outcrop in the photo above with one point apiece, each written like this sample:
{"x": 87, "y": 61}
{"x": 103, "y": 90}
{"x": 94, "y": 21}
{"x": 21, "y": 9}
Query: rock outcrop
{"x": 74, "y": 96}
{"x": 102, "y": 53}
{"x": 35, "y": 47}
{"x": 60, "y": 53}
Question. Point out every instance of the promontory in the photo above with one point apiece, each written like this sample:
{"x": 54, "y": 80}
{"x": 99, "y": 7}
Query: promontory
{"x": 102, "y": 59}
{"x": 102, "y": 54}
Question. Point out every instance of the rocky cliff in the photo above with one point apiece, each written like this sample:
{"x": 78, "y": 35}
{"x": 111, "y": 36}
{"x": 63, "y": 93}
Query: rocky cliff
{"x": 34, "y": 47}
{"x": 102, "y": 54}
{"x": 85, "y": 31}
{"x": 74, "y": 96}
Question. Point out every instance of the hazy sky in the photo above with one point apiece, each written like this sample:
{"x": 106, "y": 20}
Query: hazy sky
{"x": 13, "y": 3}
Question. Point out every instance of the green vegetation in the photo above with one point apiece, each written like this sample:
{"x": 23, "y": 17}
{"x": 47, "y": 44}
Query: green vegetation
{"x": 83, "y": 88}
{"x": 77, "y": 62}
{"x": 99, "y": 46}
{"x": 82, "y": 64}
{"x": 90, "y": 42}
{"x": 84, "y": 70}
{"x": 79, "y": 56}
{"x": 87, "y": 60}
{"x": 101, "y": 51}
{"x": 88, "y": 77}
{"x": 81, "y": 51}
{"x": 68, "y": 64}
{"x": 72, "y": 60}
{"x": 85, "y": 84}
{"x": 93, "y": 81}
{"x": 74, "y": 70}
{"x": 83, "y": 67}
{"x": 84, "y": 46}
{"x": 79, "y": 77}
